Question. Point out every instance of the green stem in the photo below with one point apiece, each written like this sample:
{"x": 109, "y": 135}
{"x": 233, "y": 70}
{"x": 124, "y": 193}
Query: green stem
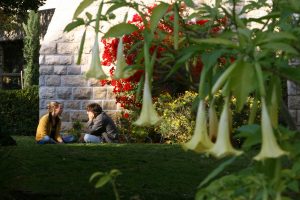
{"x": 98, "y": 17}
{"x": 260, "y": 78}
{"x": 115, "y": 190}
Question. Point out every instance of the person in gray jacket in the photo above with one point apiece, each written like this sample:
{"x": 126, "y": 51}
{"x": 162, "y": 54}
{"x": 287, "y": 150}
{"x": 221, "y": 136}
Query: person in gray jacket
{"x": 101, "y": 128}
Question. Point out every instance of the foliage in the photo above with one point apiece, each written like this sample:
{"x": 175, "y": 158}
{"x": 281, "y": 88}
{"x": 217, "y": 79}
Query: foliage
{"x": 178, "y": 119}
{"x": 107, "y": 177}
{"x": 19, "y": 111}
{"x": 257, "y": 58}
{"x": 31, "y": 50}
{"x": 13, "y": 13}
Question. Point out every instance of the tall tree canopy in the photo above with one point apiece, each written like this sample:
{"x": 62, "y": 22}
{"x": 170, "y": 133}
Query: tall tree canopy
{"x": 14, "y": 12}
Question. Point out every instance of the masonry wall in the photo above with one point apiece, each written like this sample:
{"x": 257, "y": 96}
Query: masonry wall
{"x": 60, "y": 78}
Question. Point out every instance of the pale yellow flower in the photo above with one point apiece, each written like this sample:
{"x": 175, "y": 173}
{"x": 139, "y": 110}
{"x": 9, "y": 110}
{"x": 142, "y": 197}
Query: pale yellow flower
{"x": 95, "y": 70}
{"x": 270, "y": 147}
{"x": 213, "y": 122}
{"x": 223, "y": 146}
{"x": 121, "y": 63}
{"x": 200, "y": 141}
{"x": 148, "y": 114}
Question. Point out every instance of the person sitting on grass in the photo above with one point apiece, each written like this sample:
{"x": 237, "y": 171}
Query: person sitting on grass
{"x": 48, "y": 130}
{"x": 101, "y": 128}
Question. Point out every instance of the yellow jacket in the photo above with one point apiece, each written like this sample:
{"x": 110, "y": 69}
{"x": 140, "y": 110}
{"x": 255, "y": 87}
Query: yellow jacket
{"x": 44, "y": 128}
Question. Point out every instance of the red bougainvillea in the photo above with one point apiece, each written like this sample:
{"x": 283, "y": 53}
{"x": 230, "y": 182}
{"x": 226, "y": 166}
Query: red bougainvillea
{"x": 124, "y": 89}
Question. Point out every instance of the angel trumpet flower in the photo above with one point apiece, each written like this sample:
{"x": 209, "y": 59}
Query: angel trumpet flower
{"x": 95, "y": 70}
{"x": 200, "y": 141}
{"x": 148, "y": 114}
{"x": 270, "y": 147}
{"x": 223, "y": 146}
{"x": 213, "y": 123}
{"x": 121, "y": 63}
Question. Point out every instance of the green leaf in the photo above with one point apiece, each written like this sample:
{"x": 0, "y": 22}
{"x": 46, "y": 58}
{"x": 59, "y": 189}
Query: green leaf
{"x": 189, "y": 3}
{"x": 251, "y": 133}
{"x": 119, "y": 30}
{"x": 217, "y": 171}
{"x": 214, "y": 41}
{"x": 290, "y": 73}
{"x": 94, "y": 175}
{"x": 74, "y": 24}
{"x": 157, "y": 13}
{"x": 277, "y": 36}
{"x": 114, "y": 7}
{"x": 209, "y": 59}
{"x": 280, "y": 46}
{"x": 89, "y": 15}
{"x": 83, "y": 5}
{"x": 103, "y": 180}
{"x": 115, "y": 172}
{"x": 81, "y": 48}
{"x": 242, "y": 82}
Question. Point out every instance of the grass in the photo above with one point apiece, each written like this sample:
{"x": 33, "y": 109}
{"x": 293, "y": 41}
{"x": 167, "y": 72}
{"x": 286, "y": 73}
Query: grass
{"x": 149, "y": 171}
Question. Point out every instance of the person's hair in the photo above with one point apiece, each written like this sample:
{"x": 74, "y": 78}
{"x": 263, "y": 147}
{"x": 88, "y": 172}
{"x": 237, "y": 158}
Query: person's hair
{"x": 95, "y": 108}
{"x": 52, "y": 105}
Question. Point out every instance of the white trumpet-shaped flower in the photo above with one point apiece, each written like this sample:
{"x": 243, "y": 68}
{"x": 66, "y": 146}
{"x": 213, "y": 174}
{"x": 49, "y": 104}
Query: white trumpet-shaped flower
{"x": 223, "y": 146}
{"x": 148, "y": 114}
{"x": 270, "y": 147}
{"x": 213, "y": 123}
{"x": 95, "y": 70}
{"x": 121, "y": 63}
{"x": 200, "y": 141}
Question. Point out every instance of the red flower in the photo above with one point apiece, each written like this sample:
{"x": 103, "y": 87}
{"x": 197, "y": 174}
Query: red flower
{"x": 126, "y": 115}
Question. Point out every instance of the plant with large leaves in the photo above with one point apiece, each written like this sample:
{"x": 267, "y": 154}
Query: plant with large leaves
{"x": 262, "y": 54}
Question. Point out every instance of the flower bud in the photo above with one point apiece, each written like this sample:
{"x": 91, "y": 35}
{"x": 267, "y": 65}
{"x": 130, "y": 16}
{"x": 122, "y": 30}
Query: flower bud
{"x": 121, "y": 63}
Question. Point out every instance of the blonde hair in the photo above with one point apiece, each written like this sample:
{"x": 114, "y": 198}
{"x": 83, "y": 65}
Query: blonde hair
{"x": 52, "y": 105}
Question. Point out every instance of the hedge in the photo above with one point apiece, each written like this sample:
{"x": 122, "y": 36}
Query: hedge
{"x": 19, "y": 111}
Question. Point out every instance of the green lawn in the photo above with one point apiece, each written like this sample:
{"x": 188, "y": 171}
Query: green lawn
{"x": 149, "y": 171}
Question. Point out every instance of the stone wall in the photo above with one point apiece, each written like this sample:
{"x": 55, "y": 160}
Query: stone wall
{"x": 293, "y": 91}
{"x": 61, "y": 79}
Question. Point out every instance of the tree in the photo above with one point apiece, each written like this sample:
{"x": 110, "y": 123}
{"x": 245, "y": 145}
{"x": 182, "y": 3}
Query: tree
{"x": 13, "y": 13}
{"x": 31, "y": 49}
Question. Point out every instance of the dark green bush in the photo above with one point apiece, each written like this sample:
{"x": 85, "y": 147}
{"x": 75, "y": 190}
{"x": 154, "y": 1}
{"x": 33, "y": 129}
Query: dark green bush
{"x": 19, "y": 111}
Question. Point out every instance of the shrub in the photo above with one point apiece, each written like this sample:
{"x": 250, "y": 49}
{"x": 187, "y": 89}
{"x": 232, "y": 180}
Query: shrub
{"x": 178, "y": 120}
{"x": 19, "y": 111}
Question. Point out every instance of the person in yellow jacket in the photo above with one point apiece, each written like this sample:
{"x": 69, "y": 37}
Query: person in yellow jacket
{"x": 48, "y": 130}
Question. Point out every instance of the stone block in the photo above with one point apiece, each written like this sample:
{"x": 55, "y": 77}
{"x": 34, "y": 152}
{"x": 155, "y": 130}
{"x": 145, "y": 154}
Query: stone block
{"x": 47, "y": 93}
{"x": 74, "y": 81}
{"x": 74, "y": 70}
{"x": 94, "y": 82}
{"x": 294, "y": 102}
{"x": 49, "y": 48}
{"x": 65, "y": 116}
{"x": 42, "y": 112}
{"x": 67, "y": 48}
{"x": 60, "y": 69}
{"x": 65, "y": 126}
{"x": 41, "y": 59}
{"x": 42, "y": 80}
{"x": 109, "y": 105}
{"x": 52, "y": 80}
{"x": 85, "y": 103}
{"x": 82, "y": 93}
{"x": 292, "y": 88}
{"x": 99, "y": 93}
{"x": 46, "y": 69}
{"x": 64, "y": 92}
{"x": 72, "y": 105}
{"x": 58, "y": 60}
{"x": 110, "y": 94}
{"x": 78, "y": 115}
